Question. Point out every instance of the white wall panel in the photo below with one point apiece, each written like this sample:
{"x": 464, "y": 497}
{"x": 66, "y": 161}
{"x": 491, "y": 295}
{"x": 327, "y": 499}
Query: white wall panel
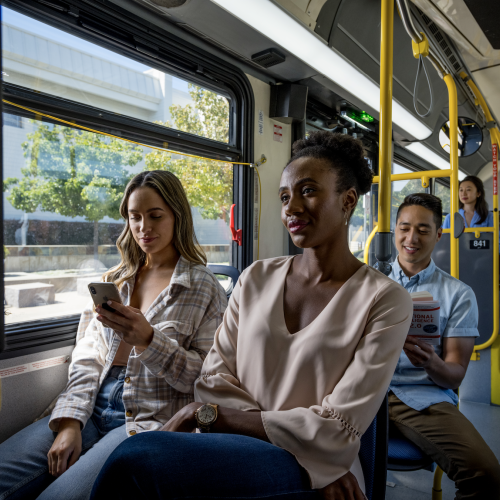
{"x": 272, "y": 232}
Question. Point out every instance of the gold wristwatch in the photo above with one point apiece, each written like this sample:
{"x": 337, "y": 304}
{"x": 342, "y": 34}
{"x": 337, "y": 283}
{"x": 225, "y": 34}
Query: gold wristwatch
{"x": 206, "y": 415}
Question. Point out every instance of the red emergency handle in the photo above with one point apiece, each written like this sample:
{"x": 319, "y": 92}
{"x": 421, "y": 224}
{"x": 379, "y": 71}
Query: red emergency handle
{"x": 237, "y": 233}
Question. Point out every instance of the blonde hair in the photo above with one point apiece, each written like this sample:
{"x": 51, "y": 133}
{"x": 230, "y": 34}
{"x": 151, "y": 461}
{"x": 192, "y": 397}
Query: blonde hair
{"x": 169, "y": 187}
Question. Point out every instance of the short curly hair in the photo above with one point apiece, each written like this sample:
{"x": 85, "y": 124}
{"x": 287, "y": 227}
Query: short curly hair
{"x": 345, "y": 154}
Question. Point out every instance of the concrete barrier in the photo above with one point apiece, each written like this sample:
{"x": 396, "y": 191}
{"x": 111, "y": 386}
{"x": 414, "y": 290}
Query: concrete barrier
{"x": 43, "y": 258}
{"x": 29, "y": 294}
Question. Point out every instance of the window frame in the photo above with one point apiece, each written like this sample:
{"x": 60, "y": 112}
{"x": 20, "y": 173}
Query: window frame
{"x": 134, "y": 37}
{"x": 112, "y": 123}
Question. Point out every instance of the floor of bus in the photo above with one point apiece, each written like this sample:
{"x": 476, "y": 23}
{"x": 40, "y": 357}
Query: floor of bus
{"x": 417, "y": 485}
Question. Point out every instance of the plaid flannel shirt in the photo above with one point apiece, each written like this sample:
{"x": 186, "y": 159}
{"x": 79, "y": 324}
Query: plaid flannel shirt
{"x": 159, "y": 381}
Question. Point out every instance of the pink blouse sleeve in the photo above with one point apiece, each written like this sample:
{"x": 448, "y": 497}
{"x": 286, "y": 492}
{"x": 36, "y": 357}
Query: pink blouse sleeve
{"x": 218, "y": 382}
{"x": 325, "y": 439}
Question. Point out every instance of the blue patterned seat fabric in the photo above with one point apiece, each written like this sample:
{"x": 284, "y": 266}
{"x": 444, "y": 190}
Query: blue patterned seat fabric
{"x": 404, "y": 452}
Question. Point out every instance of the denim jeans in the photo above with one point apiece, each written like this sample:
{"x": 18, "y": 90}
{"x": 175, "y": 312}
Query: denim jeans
{"x": 23, "y": 457}
{"x": 170, "y": 465}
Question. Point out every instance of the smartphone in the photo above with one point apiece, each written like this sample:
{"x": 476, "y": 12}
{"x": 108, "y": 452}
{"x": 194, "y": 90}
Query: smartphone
{"x": 102, "y": 292}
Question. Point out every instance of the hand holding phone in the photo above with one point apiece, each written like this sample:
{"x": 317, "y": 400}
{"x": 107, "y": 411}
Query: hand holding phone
{"x": 128, "y": 322}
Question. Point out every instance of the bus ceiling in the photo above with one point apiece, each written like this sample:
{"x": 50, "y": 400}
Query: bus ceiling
{"x": 282, "y": 41}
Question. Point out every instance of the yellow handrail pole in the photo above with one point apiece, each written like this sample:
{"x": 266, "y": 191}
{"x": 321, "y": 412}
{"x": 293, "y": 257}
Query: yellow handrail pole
{"x": 453, "y": 107}
{"x": 493, "y": 341}
{"x": 368, "y": 243}
{"x": 476, "y": 230}
{"x": 437, "y": 491}
{"x": 478, "y": 95}
{"x": 495, "y": 230}
{"x": 385, "y": 124}
{"x": 416, "y": 175}
{"x": 383, "y": 238}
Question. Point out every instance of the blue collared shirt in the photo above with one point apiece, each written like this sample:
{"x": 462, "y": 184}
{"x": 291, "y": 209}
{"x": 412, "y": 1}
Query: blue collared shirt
{"x": 473, "y": 223}
{"x": 458, "y": 318}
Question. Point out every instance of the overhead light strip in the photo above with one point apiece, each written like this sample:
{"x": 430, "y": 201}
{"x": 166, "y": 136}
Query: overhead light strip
{"x": 425, "y": 153}
{"x": 433, "y": 158}
{"x": 274, "y": 23}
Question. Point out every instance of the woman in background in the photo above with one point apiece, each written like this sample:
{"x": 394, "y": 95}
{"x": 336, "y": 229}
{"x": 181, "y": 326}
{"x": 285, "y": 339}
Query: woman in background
{"x": 472, "y": 204}
{"x": 132, "y": 370}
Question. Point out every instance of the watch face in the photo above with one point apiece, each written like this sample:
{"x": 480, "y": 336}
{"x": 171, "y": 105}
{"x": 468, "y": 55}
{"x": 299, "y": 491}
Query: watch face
{"x": 206, "y": 414}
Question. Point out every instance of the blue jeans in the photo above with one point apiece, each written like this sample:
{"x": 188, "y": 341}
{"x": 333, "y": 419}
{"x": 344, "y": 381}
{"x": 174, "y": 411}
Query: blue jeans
{"x": 23, "y": 457}
{"x": 170, "y": 465}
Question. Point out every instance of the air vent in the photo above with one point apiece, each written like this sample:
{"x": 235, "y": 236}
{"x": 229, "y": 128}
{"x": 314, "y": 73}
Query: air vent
{"x": 447, "y": 50}
{"x": 268, "y": 58}
{"x": 441, "y": 40}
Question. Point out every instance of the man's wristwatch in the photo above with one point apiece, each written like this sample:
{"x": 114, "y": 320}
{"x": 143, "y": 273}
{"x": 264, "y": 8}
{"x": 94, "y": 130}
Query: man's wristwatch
{"x": 206, "y": 415}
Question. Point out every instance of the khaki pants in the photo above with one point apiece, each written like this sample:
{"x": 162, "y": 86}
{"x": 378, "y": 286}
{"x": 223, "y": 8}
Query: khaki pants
{"x": 446, "y": 436}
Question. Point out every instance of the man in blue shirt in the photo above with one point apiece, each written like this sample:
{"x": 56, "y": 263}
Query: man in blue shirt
{"x": 422, "y": 404}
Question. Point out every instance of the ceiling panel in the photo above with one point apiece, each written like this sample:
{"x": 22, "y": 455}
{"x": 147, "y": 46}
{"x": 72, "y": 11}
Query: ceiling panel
{"x": 488, "y": 80}
{"x": 487, "y": 13}
{"x": 353, "y": 29}
{"x": 214, "y": 22}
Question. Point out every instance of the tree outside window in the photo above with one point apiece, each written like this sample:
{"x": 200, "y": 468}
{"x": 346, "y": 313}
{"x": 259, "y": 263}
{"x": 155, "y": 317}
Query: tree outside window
{"x": 74, "y": 172}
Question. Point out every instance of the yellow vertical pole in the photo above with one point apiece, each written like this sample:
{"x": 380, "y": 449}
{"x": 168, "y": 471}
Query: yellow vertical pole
{"x": 453, "y": 107}
{"x": 495, "y": 348}
{"x": 437, "y": 491}
{"x": 385, "y": 125}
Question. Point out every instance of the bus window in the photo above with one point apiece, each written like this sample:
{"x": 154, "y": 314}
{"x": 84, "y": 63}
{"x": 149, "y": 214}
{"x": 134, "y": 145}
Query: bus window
{"x": 359, "y": 227}
{"x": 63, "y": 185}
{"x": 359, "y": 224}
{"x": 401, "y": 189}
{"x": 51, "y": 61}
{"x": 61, "y": 211}
{"x": 443, "y": 191}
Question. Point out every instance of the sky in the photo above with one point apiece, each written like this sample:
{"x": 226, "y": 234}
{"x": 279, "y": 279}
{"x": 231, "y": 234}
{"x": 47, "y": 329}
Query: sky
{"x": 29, "y": 24}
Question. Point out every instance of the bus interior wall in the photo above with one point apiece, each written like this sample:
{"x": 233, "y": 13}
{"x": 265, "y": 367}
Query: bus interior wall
{"x": 274, "y": 140}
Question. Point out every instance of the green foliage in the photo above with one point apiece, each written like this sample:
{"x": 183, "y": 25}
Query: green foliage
{"x": 357, "y": 218}
{"x": 412, "y": 186}
{"x": 78, "y": 173}
{"x": 208, "y": 118}
{"x": 73, "y": 173}
{"x": 443, "y": 192}
{"x": 208, "y": 184}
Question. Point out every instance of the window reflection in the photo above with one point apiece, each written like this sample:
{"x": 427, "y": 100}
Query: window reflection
{"x": 62, "y": 191}
{"x": 48, "y": 60}
{"x": 401, "y": 189}
{"x": 443, "y": 191}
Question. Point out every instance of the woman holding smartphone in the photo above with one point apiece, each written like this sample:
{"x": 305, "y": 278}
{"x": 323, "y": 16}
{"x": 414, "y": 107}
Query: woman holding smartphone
{"x": 132, "y": 368}
{"x": 299, "y": 367}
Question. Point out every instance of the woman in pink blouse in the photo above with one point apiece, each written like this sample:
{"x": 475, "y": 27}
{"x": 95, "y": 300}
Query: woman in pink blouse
{"x": 299, "y": 366}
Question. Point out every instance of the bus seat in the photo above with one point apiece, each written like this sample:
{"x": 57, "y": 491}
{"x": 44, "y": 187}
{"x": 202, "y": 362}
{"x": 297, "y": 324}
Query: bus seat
{"x": 231, "y": 272}
{"x": 373, "y": 454}
{"x": 403, "y": 455}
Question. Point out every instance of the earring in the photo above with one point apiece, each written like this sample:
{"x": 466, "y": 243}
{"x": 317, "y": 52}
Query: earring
{"x": 345, "y": 217}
